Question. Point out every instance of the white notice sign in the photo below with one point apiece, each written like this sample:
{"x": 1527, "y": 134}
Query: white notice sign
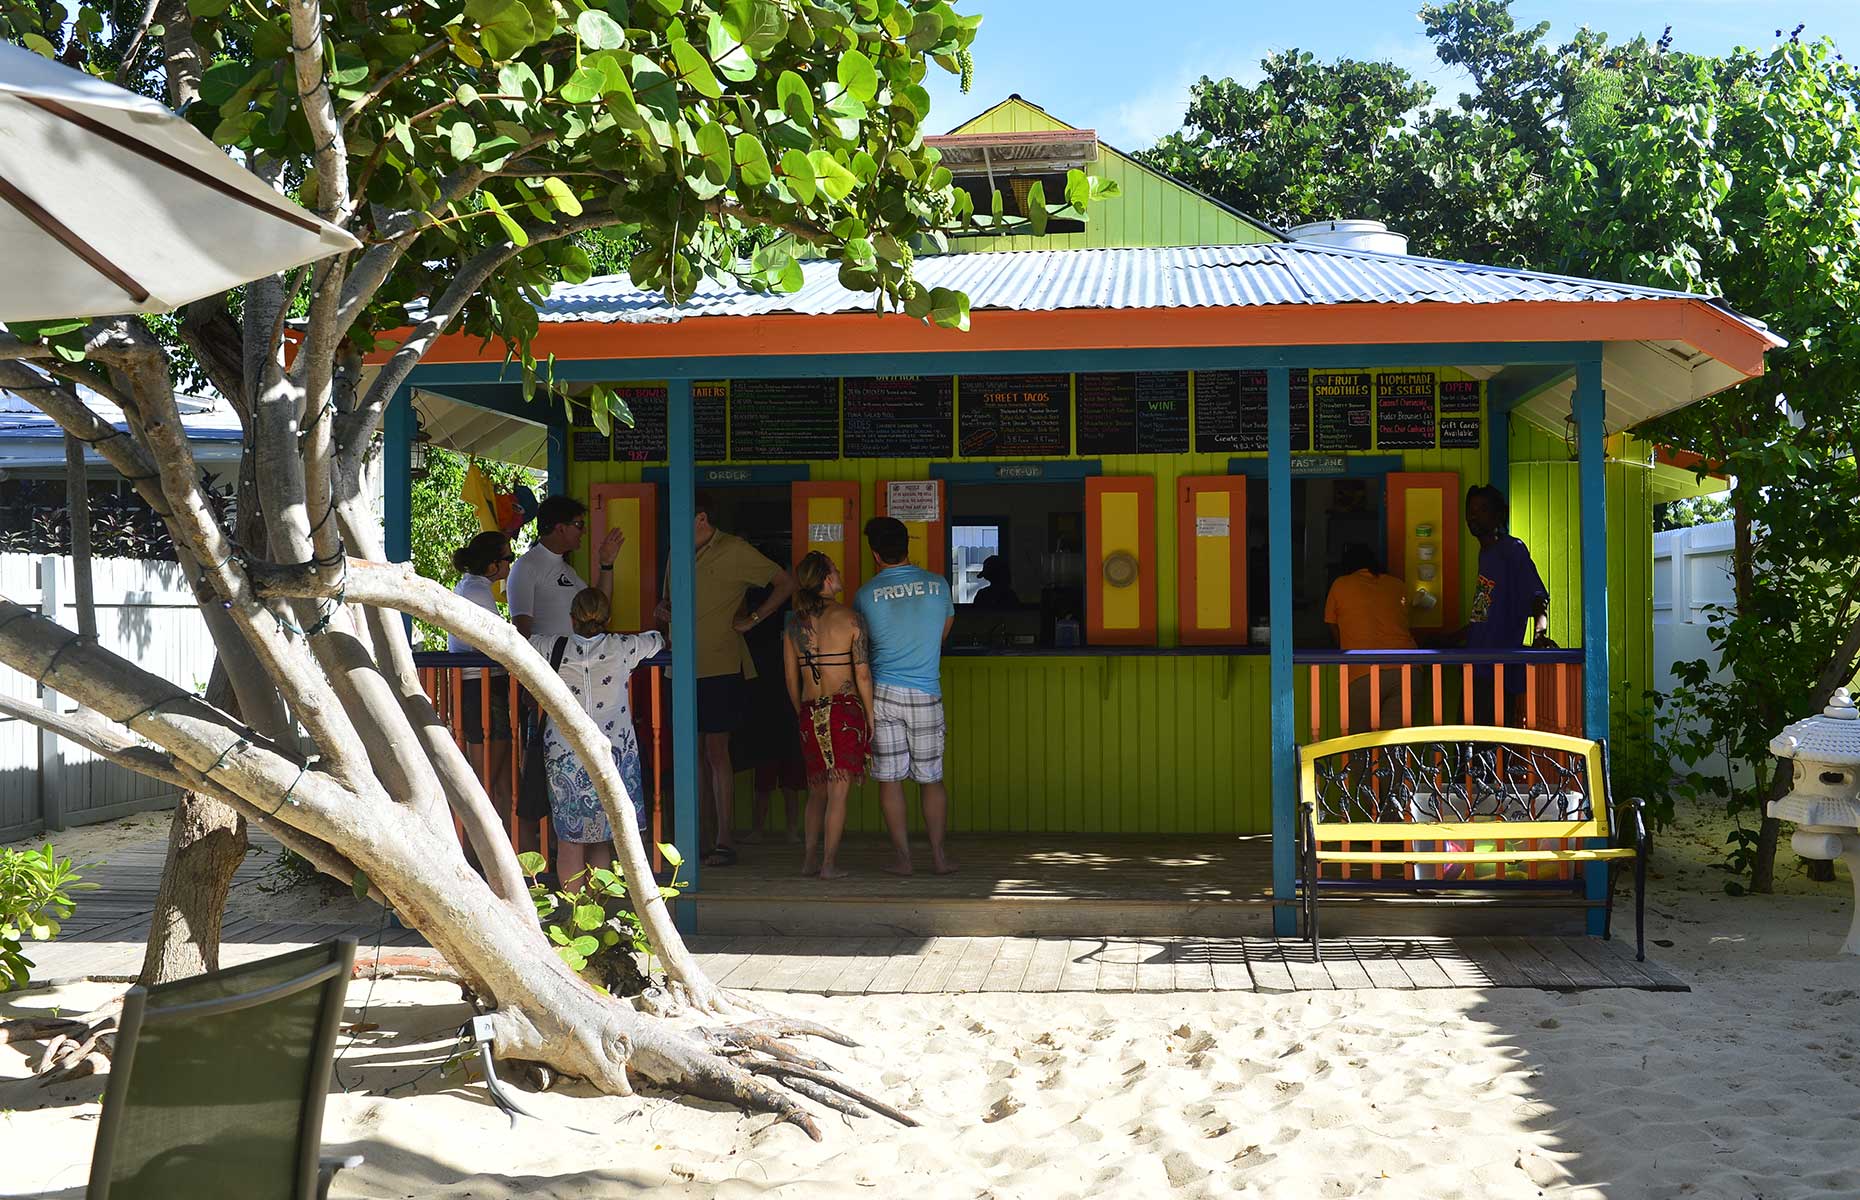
{"x": 912, "y": 500}
{"x": 1210, "y": 526}
{"x": 828, "y": 532}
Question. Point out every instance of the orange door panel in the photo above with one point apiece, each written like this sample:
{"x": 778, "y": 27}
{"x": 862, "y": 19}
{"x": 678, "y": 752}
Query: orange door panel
{"x": 1424, "y": 544}
{"x": 826, "y": 518}
{"x": 634, "y": 509}
{"x": 1120, "y": 560}
{"x": 929, "y": 539}
{"x": 1210, "y": 525}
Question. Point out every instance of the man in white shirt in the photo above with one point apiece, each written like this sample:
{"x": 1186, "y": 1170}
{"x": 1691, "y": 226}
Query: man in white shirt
{"x": 542, "y": 584}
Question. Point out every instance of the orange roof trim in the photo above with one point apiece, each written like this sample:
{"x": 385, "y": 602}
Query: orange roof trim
{"x": 788, "y": 335}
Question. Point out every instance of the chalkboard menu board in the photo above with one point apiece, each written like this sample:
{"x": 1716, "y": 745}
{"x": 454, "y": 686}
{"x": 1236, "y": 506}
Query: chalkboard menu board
{"x": 710, "y": 420}
{"x": 1014, "y": 415}
{"x": 1405, "y": 410}
{"x": 589, "y": 445}
{"x": 1460, "y": 433}
{"x": 1459, "y": 396}
{"x": 784, "y": 419}
{"x": 899, "y": 416}
{"x": 1230, "y": 412}
{"x": 1145, "y": 412}
{"x": 645, "y": 441}
{"x": 1341, "y": 403}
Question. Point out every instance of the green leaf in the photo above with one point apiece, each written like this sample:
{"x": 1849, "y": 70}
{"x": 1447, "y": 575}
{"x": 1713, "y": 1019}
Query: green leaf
{"x": 207, "y": 8}
{"x": 671, "y": 854}
{"x": 349, "y": 69}
{"x": 949, "y": 309}
{"x": 728, "y": 54}
{"x": 585, "y": 945}
{"x": 531, "y": 863}
{"x": 1036, "y": 208}
{"x": 589, "y": 916}
{"x": 598, "y": 31}
{"x": 599, "y": 409}
{"x": 563, "y": 196}
{"x": 798, "y": 170}
{"x": 584, "y": 85}
{"x": 857, "y": 75}
{"x": 792, "y": 280}
{"x": 359, "y": 885}
{"x": 575, "y": 961}
{"x": 794, "y": 98}
{"x": 511, "y": 229}
{"x": 695, "y": 70}
{"x": 235, "y": 129}
{"x": 464, "y": 140}
{"x": 752, "y": 161}
{"x": 835, "y": 181}
{"x": 713, "y": 144}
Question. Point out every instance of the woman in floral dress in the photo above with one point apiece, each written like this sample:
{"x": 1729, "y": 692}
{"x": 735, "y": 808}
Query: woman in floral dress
{"x": 596, "y": 666}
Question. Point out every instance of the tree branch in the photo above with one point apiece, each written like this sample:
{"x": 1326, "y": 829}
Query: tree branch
{"x": 319, "y": 108}
{"x": 386, "y": 81}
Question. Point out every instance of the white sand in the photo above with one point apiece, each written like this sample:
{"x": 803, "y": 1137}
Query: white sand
{"x": 1747, "y": 1087}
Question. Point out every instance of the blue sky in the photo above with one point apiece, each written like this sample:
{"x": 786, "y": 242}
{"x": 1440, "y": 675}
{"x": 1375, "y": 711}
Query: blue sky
{"x": 1124, "y": 69}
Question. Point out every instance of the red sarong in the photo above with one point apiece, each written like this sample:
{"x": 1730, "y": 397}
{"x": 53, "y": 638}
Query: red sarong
{"x": 836, "y": 738}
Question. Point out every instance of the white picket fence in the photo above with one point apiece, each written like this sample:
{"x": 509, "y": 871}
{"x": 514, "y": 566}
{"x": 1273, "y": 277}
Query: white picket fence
{"x": 145, "y": 613}
{"x": 1691, "y": 570}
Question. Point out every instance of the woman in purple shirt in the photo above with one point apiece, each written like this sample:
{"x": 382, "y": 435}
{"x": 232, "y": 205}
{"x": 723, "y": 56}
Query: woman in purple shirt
{"x": 1510, "y": 597}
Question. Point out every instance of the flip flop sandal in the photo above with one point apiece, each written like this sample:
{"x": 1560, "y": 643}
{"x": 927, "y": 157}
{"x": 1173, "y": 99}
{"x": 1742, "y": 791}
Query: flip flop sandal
{"x": 722, "y": 856}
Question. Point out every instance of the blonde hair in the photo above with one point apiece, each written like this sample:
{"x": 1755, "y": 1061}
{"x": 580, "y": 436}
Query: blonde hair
{"x": 810, "y": 578}
{"x": 588, "y": 611}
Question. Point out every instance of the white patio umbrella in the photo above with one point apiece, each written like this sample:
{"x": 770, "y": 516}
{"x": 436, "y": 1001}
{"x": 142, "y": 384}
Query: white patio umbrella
{"x": 110, "y": 203}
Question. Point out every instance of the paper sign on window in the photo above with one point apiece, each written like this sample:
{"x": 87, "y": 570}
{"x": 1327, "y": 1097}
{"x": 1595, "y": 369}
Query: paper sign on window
{"x": 913, "y": 500}
{"x": 825, "y": 531}
{"x": 1211, "y": 527}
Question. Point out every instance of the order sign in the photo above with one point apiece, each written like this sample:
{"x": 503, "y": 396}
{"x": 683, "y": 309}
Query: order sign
{"x": 912, "y": 500}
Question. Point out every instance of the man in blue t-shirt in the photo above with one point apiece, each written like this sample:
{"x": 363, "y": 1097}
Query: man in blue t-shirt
{"x": 907, "y": 612}
{"x": 1510, "y": 595}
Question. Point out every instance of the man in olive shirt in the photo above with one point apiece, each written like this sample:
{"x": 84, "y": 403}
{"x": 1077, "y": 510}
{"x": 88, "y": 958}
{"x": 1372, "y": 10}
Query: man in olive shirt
{"x": 727, "y": 567}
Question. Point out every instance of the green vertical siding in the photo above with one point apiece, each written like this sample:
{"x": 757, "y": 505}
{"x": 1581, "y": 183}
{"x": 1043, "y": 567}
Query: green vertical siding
{"x": 1546, "y": 512}
{"x": 1152, "y": 210}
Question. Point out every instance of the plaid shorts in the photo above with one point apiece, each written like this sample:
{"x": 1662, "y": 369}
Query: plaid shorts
{"x": 907, "y": 740}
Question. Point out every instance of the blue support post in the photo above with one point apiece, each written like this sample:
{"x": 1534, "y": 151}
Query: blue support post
{"x": 397, "y": 433}
{"x": 1284, "y": 737}
{"x": 1498, "y": 450}
{"x": 681, "y": 448}
{"x": 1594, "y": 491}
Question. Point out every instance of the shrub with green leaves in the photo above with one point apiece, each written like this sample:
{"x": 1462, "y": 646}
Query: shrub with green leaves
{"x": 593, "y": 926}
{"x": 35, "y": 895}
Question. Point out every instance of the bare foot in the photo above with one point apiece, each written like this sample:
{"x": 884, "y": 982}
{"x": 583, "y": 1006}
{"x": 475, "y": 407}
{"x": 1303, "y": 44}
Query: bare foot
{"x": 831, "y": 872}
{"x": 898, "y": 866}
{"x": 809, "y": 866}
{"x": 944, "y": 866}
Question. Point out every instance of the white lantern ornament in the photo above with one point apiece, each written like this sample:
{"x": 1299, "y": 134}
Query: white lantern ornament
{"x": 1825, "y": 801}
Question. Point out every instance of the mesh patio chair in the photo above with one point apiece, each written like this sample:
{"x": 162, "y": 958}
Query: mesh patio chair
{"x": 218, "y": 1083}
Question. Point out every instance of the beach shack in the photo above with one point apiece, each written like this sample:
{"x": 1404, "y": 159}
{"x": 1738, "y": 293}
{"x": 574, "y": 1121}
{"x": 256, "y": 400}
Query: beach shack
{"x": 1167, "y": 426}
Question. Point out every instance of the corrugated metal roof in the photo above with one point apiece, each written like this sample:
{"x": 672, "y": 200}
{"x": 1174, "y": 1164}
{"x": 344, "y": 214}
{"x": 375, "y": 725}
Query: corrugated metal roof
{"x": 1169, "y": 277}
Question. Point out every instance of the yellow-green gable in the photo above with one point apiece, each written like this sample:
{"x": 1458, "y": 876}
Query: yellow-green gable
{"x": 1152, "y": 209}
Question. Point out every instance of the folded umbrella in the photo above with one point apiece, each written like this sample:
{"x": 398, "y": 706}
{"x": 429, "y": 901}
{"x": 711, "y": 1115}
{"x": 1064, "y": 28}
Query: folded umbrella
{"x": 110, "y": 203}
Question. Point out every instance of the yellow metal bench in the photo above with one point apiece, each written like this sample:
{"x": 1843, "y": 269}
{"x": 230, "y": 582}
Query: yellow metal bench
{"x": 1427, "y": 809}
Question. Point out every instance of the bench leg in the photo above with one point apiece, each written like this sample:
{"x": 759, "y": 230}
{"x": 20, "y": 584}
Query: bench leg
{"x": 1640, "y": 908}
{"x": 1608, "y": 905}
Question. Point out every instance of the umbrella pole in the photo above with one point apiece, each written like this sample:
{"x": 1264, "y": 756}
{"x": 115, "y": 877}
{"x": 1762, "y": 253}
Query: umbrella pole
{"x": 77, "y": 508}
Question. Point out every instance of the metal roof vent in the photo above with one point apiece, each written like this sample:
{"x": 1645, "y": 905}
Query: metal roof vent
{"x": 1373, "y": 236}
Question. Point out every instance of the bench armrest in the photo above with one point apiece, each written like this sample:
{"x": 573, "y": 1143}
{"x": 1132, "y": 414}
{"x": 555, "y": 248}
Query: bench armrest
{"x": 1637, "y": 806}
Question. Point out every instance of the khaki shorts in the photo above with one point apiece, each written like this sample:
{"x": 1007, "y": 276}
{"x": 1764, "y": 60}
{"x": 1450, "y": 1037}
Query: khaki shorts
{"x": 907, "y": 736}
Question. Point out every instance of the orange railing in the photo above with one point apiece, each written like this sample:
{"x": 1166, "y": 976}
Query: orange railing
{"x": 1403, "y": 688}
{"x": 450, "y": 681}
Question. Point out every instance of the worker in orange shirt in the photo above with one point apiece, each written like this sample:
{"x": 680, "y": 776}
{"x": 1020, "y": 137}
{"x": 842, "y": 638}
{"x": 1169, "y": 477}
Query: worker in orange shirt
{"x": 1367, "y": 609}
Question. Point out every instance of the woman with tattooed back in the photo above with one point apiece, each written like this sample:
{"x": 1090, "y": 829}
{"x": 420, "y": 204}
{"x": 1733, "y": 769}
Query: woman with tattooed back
{"x": 825, "y": 657}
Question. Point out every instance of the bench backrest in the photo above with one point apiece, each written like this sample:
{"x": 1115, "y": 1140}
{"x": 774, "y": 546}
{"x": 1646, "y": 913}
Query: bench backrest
{"x": 1457, "y": 780}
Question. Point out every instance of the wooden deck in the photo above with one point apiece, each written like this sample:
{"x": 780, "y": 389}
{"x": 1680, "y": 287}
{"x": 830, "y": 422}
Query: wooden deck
{"x": 1050, "y": 880}
{"x": 876, "y": 966}
{"x": 1023, "y": 884}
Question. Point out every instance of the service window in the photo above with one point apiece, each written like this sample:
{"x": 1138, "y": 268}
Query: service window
{"x": 1016, "y": 555}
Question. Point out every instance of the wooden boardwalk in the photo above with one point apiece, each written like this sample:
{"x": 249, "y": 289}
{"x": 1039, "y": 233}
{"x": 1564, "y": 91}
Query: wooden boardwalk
{"x": 877, "y": 966}
{"x": 106, "y": 937}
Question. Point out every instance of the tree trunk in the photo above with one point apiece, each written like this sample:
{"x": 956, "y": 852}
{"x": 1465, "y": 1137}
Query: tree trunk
{"x": 1743, "y": 576}
{"x": 206, "y": 844}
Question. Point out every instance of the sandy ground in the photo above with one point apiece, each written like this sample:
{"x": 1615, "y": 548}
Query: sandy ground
{"x": 1747, "y": 1087}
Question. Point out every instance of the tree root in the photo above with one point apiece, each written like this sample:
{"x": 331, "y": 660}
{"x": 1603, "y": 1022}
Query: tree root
{"x": 788, "y": 1073}
{"x": 38, "y": 1029}
{"x": 778, "y": 1026}
{"x": 737, "y": 1041}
